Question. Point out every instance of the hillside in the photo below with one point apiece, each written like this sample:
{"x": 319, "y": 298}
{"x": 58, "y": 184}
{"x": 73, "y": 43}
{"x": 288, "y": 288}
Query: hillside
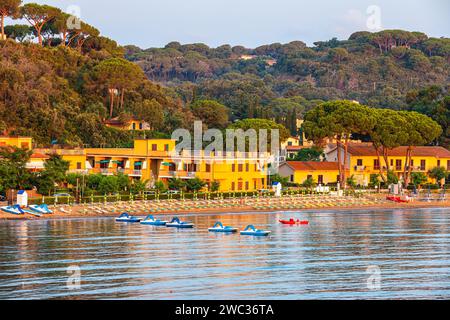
{"x": 377, "y": 69}
{"x": 57, "y": 94}
{"x": 59, "y": 85}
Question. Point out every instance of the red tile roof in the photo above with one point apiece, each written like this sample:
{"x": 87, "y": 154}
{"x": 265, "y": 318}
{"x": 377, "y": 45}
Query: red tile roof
{"x": 313, "y": 166}
{"x": 39, "y": 156}
{"x": 364, "y": 150}
{"x": 296, "y": 148}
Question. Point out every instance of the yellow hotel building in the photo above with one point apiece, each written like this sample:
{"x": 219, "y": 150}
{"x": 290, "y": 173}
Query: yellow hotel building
{"x": 363, "y": 160}
{"x": 155, "y": 160}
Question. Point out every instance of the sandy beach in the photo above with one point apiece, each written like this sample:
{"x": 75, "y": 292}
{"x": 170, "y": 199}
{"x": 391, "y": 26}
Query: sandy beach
{"x": 177, "y": 207}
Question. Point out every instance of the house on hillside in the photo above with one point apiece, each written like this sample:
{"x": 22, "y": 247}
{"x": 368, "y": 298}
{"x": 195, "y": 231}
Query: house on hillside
{"x": 133, "y": 124}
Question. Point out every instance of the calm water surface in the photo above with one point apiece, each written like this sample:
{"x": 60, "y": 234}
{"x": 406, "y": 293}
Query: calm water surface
{"x": 326, "y": 260}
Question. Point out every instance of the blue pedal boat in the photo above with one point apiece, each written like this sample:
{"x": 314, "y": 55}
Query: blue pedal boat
{"x": 219, "y": 227}
{"x": 252, "y": 231}
{"x": 12, "y": 209}
{"x": 176, "y": 223}
{"x": 151, "y": 221}
{"x": 125, "y": 217}
{"x": 41, "y": 208}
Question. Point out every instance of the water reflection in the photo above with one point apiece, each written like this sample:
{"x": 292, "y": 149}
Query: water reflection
{"x": 325, "y": 260}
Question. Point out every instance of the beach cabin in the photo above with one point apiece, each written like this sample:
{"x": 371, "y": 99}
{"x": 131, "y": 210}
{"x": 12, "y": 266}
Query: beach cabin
{"x": 22, "y": 198}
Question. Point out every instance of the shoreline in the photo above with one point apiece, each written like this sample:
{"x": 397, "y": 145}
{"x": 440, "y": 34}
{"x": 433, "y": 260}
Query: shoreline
{"x": 76, "y": 211}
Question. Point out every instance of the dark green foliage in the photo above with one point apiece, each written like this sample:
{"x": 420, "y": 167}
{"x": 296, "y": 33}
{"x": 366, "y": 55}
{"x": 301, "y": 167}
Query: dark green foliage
{"x": 13, "y": 173}
{"x": 195, "y": 185}
{"x": 309, "y": 154}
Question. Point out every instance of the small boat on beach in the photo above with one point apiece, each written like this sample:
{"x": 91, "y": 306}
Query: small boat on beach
{"x": 252, "y": 231}
{"x": 16, "y": 209}
{"x": 151, "y": 221}
{"x": 12, "y": 209}
{"x": 219, "y": 227}
{"x": 41, "y": 208}
{"x": 125, "y": 217}
{"x": 176, "y": 223}
{"x": 293, "y": 222}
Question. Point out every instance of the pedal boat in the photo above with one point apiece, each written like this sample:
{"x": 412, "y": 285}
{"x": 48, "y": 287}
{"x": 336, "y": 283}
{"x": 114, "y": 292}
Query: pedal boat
{"x": 176, "y": 223}
{"x": 219, "y": 227}
{"x": 125, "y": 217}
{"x": 252, "y": 231}
{"x": 151, "y": 221}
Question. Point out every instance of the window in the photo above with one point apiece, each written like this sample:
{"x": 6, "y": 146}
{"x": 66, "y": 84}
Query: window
{"x": 233, "y": 186}
{"x": 412, "y": 163}
{"x": 208, "y": 167}
{"x": 309, "y": 177}
{"x": 398, "y": 165}
{"x": 263, "y": 182}
{"x": 439, "y": 163}
{"x": 290, "y": 143}
{"x": 247, "y": 167}
{"x": 320, "y": 180}
{"x": 240, "y": 185}
{"x": 292, "y": 178}
{"x": 140, "y": 126}
{"x": 376, "y": 164}
{"x": 448, "y": 165}
{"x": 166, "y": 147}
{"x": 78, "y": 165}
{"x": 255, "y": 186}
{"x": 247, "y": 185}
{"x": 240, "y": 167}
{"x": 423, "y": 165}
{"x": 359, "y": 162}
{"x": 338, "y": 178}
{"x": 133, "y": 126}
{"x": 154, "y": 147}
{"x": 392, "y": 162}
{"x": 233, "y": 167}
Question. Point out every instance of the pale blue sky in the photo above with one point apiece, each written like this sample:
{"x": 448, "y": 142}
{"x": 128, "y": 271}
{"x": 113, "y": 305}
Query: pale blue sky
{"x": 154, "y": 23}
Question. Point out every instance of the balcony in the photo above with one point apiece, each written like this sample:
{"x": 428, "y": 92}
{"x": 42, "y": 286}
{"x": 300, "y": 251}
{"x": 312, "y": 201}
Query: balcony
{"x": 134, "y": 173}
{"x": 178, "y": 174}
{"x": 360, "y": 168}
{"x": 79, "y": 171}
{"x": 106, "y": 171}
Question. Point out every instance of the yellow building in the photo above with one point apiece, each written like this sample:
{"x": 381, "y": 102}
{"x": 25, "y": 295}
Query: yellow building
{"x": 19, "y": 142}
{"x": 131, "y": 125}
{"x": 154, "y": 160}
{"x": 237, "y": 172}
{"x": 76, "y": 158}
{"x": 363, "y": 160}
{"x": 299, "y": 171}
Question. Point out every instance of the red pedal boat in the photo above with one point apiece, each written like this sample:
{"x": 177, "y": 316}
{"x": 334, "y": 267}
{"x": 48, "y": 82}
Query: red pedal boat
{"x": 294, "y": 222}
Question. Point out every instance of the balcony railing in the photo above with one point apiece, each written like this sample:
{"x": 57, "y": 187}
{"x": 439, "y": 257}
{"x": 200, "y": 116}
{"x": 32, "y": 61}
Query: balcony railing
{"x": 79, "y": 171}
{"x": 179, "y": 174}
{"x": 136, "y": 173}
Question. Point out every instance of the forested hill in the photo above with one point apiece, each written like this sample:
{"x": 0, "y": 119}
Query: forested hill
{"x": 378, "y": 69}
{"x": 59, "y": 85}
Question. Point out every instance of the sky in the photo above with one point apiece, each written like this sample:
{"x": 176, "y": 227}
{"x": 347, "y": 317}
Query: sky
{"x": 251, "y": 23}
